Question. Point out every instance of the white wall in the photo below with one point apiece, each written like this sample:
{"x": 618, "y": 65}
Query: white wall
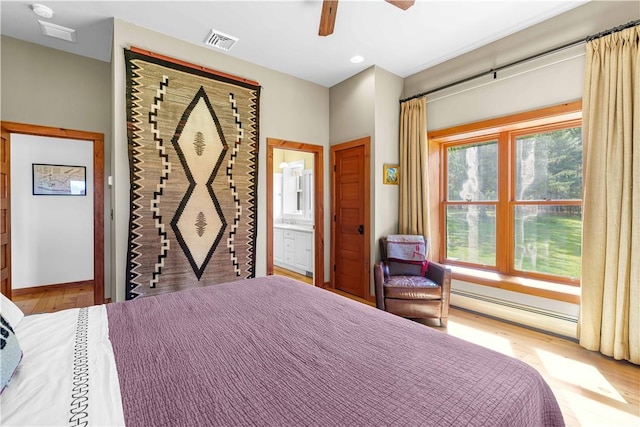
{"x": 388, "y": 88}
{"x": 576, "y": 24}
{"x": 544, "y": 82}
{"x": 52, "y": 236}
{"x": 290, "y": 109}
{"x": 387, "y": 129}
{"x": 352, "y": 108}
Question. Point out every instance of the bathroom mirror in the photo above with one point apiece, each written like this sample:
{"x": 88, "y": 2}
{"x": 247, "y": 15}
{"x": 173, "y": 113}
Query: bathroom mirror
{"x": 293, "y": 188}
{"x": 293, "y": 197}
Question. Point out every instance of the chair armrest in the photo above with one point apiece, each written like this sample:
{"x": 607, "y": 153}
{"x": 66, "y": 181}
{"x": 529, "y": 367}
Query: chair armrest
{"x": 378, "y": 278}
{"x": 442, "y": 276}
{"x": 385, "y": 269}
{"x": 436, "y": 272}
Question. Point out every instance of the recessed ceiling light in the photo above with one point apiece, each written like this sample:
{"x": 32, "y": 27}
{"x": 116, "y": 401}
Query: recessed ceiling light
{"x": 357, "y": 59}
{"x": 42, "y": 10}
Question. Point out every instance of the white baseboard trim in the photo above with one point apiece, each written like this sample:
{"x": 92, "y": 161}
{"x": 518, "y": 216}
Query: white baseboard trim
{"x": 531, "y": 317}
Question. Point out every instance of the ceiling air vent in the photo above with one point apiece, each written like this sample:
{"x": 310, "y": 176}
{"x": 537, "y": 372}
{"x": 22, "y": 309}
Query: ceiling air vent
{"x": 220, "y": 40}
{"x": 57, "y": 31}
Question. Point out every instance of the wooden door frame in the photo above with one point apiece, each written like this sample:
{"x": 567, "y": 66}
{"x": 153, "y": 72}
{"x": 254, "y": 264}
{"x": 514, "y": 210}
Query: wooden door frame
{"x": 97, "y": 139}
{"x": 5, "y": 212}
{"x": 366, "y": 143}
{"x": 318, "y": 203}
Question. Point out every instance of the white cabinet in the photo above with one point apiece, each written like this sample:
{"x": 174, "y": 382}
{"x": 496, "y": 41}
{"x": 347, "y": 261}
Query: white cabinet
{"x": 278, "y": 245}
{"x": 289, "y": 246}
{"x": 303, "y": 250}
{"x": 293, "y": 249}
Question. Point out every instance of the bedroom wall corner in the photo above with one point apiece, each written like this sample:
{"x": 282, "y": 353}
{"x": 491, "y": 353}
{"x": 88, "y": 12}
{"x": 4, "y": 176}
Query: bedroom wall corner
{"x": 388, "y": 88}
{"x": 352, "y": 116}
{"x": 290, "y": 108}
{"x": 48, "y": 87}
{"x": 352, "y": 112}
{"x": 367, "y": 105}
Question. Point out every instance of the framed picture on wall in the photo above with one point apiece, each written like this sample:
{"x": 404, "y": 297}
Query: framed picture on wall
{"x": 391, "y": 174}
{"x": 59, "y": 180}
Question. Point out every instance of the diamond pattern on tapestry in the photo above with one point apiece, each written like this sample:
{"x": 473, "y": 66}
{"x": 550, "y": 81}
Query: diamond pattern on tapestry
{"x": 199, "y": 123}
{"x": 193, "y": 145}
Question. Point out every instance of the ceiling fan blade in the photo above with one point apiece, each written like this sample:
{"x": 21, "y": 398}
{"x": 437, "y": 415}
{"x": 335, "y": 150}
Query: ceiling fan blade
{"x": 402, "y": 4}
{"x": 328, "y": 17}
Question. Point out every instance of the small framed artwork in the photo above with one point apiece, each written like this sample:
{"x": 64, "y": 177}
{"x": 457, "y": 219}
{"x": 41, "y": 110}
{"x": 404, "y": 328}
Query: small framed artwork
{"x": 391, "y": 174}
{"x": 59, "y": 180}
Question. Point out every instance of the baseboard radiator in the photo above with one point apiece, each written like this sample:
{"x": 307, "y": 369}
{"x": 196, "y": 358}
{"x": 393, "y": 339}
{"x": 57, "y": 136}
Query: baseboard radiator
{"x": 530, "y": 317}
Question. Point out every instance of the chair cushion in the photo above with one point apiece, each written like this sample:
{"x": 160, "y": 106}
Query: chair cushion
{"x": 411, "y": 287}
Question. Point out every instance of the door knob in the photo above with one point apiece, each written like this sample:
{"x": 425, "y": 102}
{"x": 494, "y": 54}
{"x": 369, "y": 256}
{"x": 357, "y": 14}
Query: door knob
{"x": 361, "y": 229}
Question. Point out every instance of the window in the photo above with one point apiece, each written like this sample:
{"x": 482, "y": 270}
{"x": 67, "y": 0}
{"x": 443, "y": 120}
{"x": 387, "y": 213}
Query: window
{"x": 512, "y": 198}
{"x": 472, "y": 199}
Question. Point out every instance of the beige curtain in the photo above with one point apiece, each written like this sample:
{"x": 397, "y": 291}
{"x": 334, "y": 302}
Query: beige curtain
{"x": 610, "y": 303}
{"x": 413, "y": 214}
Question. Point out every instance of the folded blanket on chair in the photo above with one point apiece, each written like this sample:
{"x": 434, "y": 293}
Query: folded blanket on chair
{"x": 410, "y": 249}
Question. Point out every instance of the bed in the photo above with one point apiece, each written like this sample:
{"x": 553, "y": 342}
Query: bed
{"x": 263, "y": 351}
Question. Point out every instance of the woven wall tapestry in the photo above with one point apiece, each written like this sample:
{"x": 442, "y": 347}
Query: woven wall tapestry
{"x": 193, "y": 152}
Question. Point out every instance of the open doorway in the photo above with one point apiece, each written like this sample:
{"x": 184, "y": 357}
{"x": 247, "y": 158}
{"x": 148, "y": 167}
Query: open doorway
{"x": 295, "y": 213}
{"x": 97, "y": 209}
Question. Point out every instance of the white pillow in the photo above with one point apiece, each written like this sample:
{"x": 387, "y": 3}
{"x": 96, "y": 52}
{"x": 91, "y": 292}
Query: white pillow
{"x": 10, "y": 311}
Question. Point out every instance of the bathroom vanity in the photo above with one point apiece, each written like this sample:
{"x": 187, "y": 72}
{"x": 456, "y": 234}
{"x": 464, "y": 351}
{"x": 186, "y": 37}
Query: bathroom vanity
{"x": 293, "y": 247}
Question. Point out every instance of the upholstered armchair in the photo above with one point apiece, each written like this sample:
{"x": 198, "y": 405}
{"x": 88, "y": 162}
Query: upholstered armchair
{"x": 403, "y": 290}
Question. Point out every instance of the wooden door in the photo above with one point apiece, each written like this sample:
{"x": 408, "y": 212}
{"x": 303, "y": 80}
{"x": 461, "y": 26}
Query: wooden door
{"x": 5, "y": 215}
{"x": 351, "y": 218}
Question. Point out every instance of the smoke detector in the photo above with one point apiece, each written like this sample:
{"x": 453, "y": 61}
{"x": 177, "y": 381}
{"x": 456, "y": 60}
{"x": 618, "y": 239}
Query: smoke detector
{"x": 220, "y": 40}
{"x": 42, "y": 10}
{"x": 57, "y": 31}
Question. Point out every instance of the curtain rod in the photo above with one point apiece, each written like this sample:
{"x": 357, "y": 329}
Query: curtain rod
{"x": 494, "y": 71}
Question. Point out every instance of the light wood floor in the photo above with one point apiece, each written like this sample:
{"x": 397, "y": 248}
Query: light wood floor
{"x": 54, "y": 299}
{"x": 592, "y": 390}
{"x": 284, "y": 272}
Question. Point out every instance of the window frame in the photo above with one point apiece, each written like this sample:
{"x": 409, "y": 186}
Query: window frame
{"x": 505, "y": 130}
{"x": 513, "y": 202}
{"x": 445, "y": 202}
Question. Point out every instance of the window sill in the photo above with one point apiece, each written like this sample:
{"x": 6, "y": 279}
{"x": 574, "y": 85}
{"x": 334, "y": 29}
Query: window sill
{"x": 539, "y": 288}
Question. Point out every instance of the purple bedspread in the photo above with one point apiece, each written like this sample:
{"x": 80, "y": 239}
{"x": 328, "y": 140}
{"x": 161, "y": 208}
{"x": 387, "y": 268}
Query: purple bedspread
{"x": 274, "y": 351}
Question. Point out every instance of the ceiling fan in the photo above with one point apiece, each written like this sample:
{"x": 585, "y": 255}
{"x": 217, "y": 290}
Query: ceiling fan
{"x": 330, "y": 7}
